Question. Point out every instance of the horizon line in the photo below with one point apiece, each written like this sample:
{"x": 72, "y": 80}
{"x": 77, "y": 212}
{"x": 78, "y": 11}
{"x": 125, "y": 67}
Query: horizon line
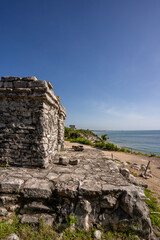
{"x": 125, "y": 130}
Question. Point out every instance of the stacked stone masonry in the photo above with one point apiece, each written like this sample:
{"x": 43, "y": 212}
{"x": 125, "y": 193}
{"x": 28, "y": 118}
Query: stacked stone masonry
{"x": 94, "y": 192}
{"x": 31, "y": 122}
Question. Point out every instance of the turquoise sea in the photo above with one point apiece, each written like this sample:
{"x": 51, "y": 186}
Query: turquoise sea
{"x": 139, "y": 141}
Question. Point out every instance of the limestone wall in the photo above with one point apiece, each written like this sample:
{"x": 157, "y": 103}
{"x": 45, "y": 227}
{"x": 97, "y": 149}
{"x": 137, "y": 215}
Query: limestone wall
{"x": 30, "y": 114}
{"x": 94, "y": 192}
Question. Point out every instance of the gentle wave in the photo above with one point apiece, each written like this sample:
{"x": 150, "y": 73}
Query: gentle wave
{"x": 139, "y": 141}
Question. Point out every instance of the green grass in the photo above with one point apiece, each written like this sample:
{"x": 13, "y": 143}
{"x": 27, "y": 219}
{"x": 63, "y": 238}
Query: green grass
{"x": 153, "y": 207}
{"x": 70, "y": 220}
{"x": 129, "y": 235}
{"x": 26, "y": 231}
{"x": 42, "y": 232}
{"x": 79, "y": 234}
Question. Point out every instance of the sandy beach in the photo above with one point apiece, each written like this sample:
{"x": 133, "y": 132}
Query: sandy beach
{"x": 152, "y": 182}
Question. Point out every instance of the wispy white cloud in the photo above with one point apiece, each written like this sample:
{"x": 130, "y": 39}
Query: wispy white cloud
{"x": 125, "y": 116}
{"x": 128, "y": 110}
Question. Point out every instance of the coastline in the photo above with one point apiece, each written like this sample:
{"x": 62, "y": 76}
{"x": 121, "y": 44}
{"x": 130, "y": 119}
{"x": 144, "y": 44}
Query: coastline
{"x": 146, "y": 142}
{"x": 135, "y": 151}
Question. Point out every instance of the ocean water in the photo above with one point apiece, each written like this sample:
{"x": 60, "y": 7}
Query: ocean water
{"x": 139, "y": 141}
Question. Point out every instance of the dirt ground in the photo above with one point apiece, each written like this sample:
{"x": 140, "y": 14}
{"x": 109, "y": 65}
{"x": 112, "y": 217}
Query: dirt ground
{"x": 153, "y": 182}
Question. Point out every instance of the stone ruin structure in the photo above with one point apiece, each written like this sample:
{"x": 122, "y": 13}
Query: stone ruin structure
{"x": 85, "y": 184}
{"x": 31, "y": 122}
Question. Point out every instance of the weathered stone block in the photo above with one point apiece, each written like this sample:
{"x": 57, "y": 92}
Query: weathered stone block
{"x": 63, "y": 161}
{"x": 13, "y": 236}
{"x": 3, "y": 212}
{"x": 47, "y": 219}
{"x": 32, "y": 78}
{"x": 97, "y": 234}
{"x": 78, "y": 148}
{"x": 69, "y": 188}
{"x": 125, "y": 172}
{"x": 8, "y": 78}
{"x": 108, "y": 201}
{"x": 50, "y": 85}
{"x": 90, "y": 188}
{"x": 30, "y": 219}
{"x": 74, "y": 161}
{"x": 8, "y": 85}
{"x": 39, "y": 83}
{"x": 13, "y": 208}
{"x": 51, "y": 176}
{"x": 36, "y": 206}
{"x": 20, "y": 84}
{"x": 8, "y": 200}
{"x": 11, "y": 185}
{"x": 34, "y": 220}
{"x": 37, "y": 188}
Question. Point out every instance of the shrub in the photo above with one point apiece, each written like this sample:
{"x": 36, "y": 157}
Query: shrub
{"x": 82, "y": 140}
{"x": 111, "y": 147}
{"x": 152, "y": 155}
{"x": 124, "y": 150}
{"x": 74, "y": 135}
{"x": 100, "y": 144}
{"x": 70, "y": 133}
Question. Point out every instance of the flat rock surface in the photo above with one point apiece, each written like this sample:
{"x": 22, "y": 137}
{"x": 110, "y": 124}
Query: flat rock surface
{"x": 94, "y": 191}
{"x": 91, "y": 176}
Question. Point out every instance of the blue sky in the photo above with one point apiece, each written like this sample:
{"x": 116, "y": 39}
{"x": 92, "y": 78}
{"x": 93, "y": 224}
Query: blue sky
{"x": 102, "y": 57}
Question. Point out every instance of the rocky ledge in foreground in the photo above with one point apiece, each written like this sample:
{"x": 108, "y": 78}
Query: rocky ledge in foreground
{"x": 85, "y": 185}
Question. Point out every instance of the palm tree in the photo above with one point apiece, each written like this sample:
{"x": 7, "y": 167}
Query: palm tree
{"x": 103, "y": 137}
